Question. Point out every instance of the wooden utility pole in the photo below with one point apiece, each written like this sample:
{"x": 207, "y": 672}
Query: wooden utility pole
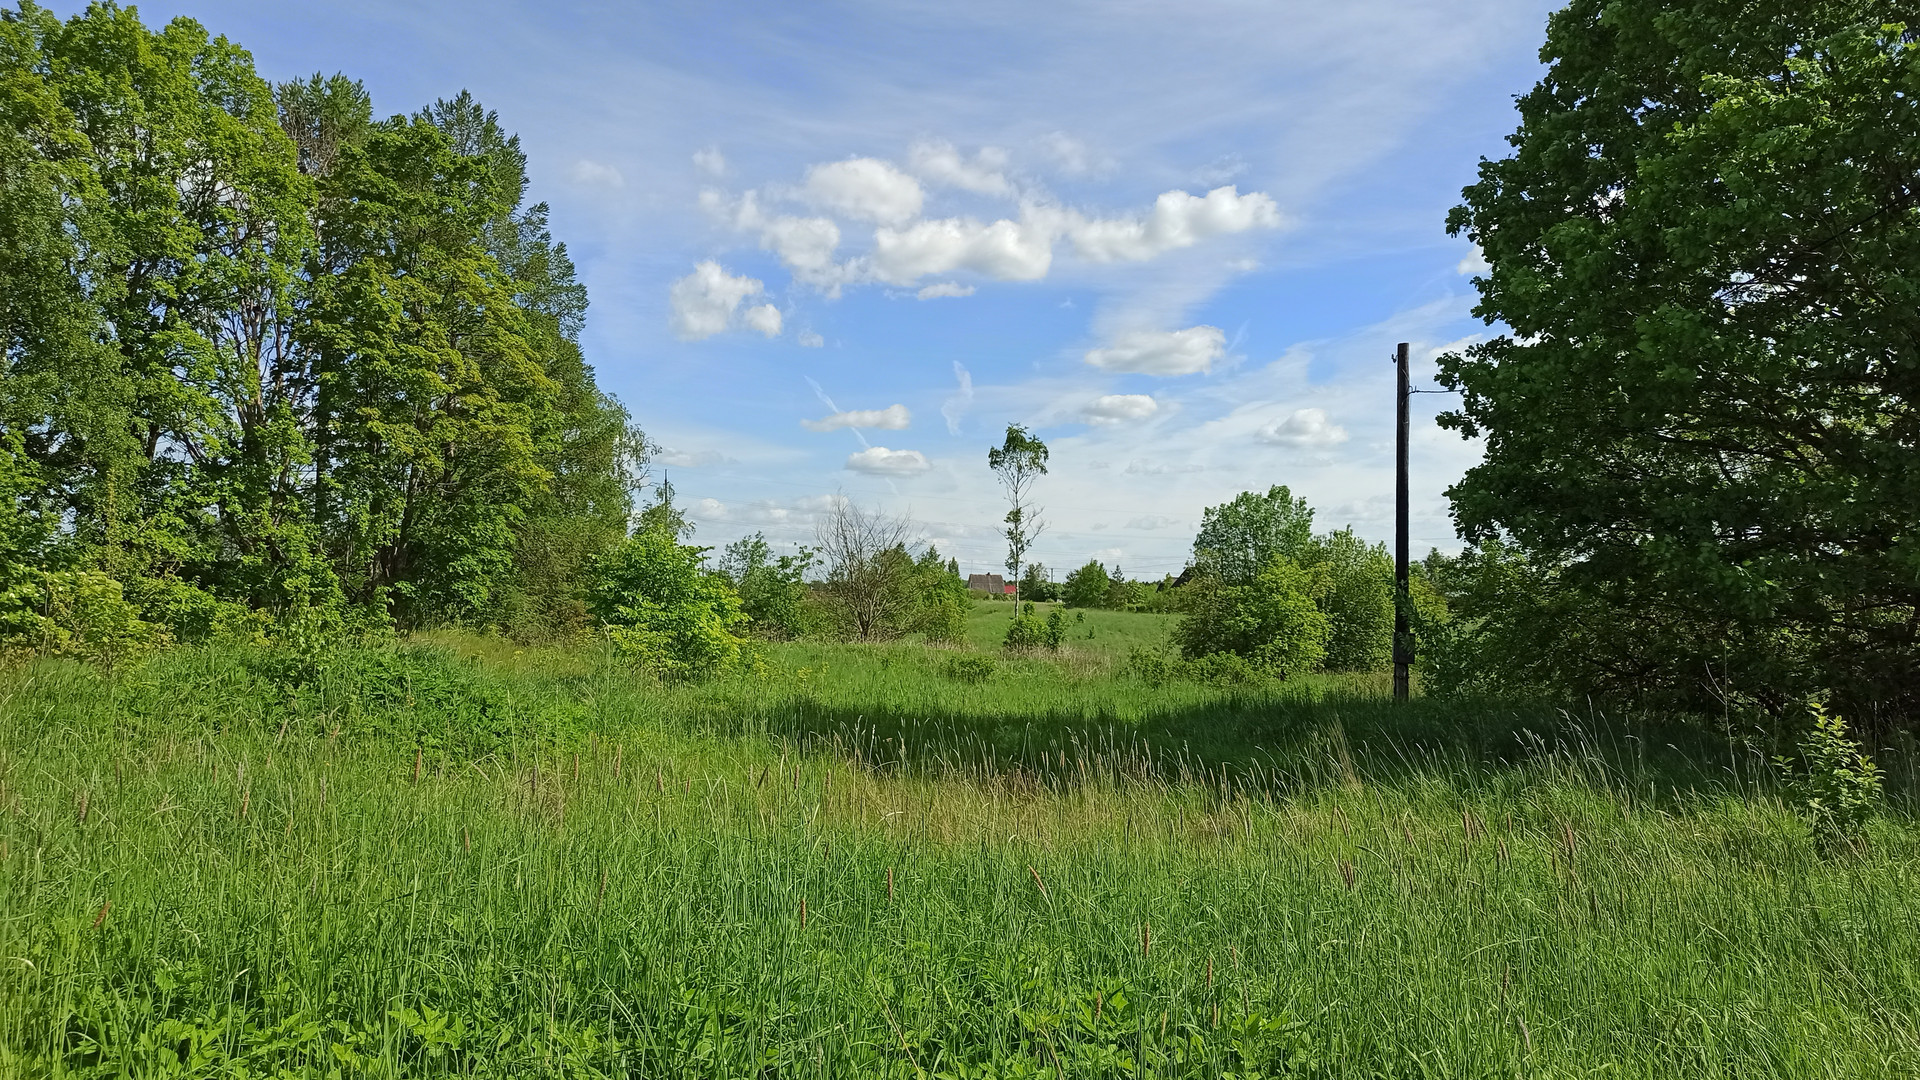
{"x": 1402, "y": 634}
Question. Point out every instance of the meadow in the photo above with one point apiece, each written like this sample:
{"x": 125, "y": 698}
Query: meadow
{"x": 457, "y": 857}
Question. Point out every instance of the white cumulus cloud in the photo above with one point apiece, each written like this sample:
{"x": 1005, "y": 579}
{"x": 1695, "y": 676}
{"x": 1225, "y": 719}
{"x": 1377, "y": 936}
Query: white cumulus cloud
{"x": 1474, "y": 264}
{"x": 704, "y": 301}
{"x": 880, "y": 461}
{"x": 1120, "y": 408}
{"x": 1304, "y": 428}
{"x": 1177, "y": 220}
{"x": 710, "y": 161}
{"x": 1157, "y": 352}
{"x": 866, "y": 189}
{"x": 938, "y": 161}
{"x": 764, "y": 319}
{"x": 944, "y": 288}
{"x": 805, "y": 245}
{"x": 1004, "y": 249}
{"x": 891, "y": 418}
{"x": 595, "y": 174}
{"x": 807, "y": 339}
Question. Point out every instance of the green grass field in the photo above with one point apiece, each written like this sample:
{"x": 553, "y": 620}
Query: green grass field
{"x": 468, "y": 859}
{"x": 1091, "y": 633}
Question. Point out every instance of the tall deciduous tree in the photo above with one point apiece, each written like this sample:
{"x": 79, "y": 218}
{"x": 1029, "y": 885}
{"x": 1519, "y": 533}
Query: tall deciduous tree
{"x": 1703, "y": 415}
{"x": 260, "y": 352}
{"x": 1237, "y": 539}
{"x": 1019, "y": 461}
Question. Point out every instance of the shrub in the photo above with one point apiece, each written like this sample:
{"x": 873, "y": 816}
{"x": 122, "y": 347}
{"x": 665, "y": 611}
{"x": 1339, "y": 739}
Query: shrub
{"x": 1156, "y": 667}
{"x": 1358, "y": 601}
{"x": 942, "y": 614}
{"x": 79, "y": 613}
{"x": 970, "y": 667}
{"x": 1087, "y": 587}
{"x": 772, "y": 591}
{"x": 1027, "y": 631}
{"x": 414, "y": 696}
{"x": 1153, "y": 666}
{"x": 1835, "y": 785}
{"x": 662, "y": 611}
{"x": 1274, "y": 622}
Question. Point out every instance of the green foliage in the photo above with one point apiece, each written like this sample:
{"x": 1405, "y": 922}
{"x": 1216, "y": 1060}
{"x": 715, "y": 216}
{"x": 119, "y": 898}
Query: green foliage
{"x": 1157, "y": 667}
{"x": 664, "y": 613}
{"x": 1353, "y": 580}
{"x": 773, "y": 590}
{"x": 1702, "y": 248}
{"x": 1238, "y": 539}
{"x": 267, "y": 353}
{"x": 1029, "y": 631}
{"x": 1358, "y": 601}
{"x": 1087, "y": 587}
{"x": 970, "y": 667}
{"x": 1020, "y": 460}
{"x": 938, "y": 599}
{"x": 1834, "y": 784}
{"x": 1035, "y": 586}
{"x": 1273, "y": 621}
{"x": 1494, "y": 622}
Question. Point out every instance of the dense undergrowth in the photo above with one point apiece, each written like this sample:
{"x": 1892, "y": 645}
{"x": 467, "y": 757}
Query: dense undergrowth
{"x": 467, "y": 859}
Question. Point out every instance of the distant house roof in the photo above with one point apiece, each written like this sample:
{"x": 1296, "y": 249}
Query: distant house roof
{"x": 1007, "y": 589}
{"x": 987, "y": 583}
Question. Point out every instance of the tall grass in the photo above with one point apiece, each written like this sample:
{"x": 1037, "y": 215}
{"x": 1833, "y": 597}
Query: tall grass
{"x": 847, "y": 864}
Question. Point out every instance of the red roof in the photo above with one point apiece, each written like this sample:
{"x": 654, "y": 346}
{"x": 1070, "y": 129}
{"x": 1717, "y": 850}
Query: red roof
{"x": 1008, "y": 589}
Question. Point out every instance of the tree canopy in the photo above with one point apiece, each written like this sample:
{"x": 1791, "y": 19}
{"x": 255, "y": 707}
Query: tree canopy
{"x": 1702, "y": 416}
{"x": 264, "y": 351}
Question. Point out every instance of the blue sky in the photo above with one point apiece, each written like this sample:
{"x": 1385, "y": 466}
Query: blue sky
{"x": 1178, "y": 240}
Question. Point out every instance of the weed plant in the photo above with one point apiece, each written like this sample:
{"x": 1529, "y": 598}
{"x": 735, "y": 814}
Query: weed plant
{"x": 473, "y": 861}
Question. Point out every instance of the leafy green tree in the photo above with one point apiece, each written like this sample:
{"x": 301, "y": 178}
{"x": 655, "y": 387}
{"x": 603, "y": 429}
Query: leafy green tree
{"x": 1358, "y": 601}
{"x": 1087, "y": 587}
{"x": 1035, "y": 586}
{"x": 1018, "y": 462}
{"x": 939, "y": 599}
{"x": 1699, "y": 421}
{"x": 663, "y": 610}
{"x": 772, "y": 588}
{"x": 1239, "y": 538}
{"x": 1274, "y": 621}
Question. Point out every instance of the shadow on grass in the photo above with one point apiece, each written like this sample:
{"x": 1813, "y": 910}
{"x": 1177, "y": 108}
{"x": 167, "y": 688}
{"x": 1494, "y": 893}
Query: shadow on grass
{"x": 1271, "y": 744}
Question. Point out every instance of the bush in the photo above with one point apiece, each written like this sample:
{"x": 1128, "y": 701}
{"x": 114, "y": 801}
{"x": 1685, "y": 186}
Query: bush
{"x": 1274, "y": 622}
{"x": 1835, "y": 786}
{"x": 942, "y": 614}
{"x": 1087, "y": 587}
{"x": 78, "y": 613}
{"x": 971, "y": 667}
{"x": 772, "y": 591}
{"x": 1156, "y": 668}
{"x": 1027, "y": 631}
{"x": 1358, "y": 601}
{"x": 413, "y": 696}
{"x": 663, "y": 612}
